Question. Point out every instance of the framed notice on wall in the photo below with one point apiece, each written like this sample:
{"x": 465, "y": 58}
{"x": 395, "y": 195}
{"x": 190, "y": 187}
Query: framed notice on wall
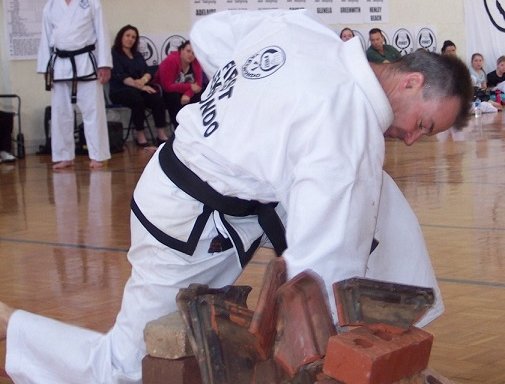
{"x": 23, "y": 20}
{"x": 342, "y": 12}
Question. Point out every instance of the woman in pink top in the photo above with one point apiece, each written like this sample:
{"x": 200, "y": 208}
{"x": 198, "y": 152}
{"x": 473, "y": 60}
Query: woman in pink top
{"x": 181, "y": 77}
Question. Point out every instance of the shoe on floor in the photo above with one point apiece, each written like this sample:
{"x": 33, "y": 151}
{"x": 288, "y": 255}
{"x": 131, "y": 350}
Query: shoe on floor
{"x": 7, "y": 157}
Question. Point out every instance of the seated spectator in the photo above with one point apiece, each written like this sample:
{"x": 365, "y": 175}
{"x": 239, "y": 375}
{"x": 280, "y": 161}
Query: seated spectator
{"x": 479, "y": 82}
{"x": 130, "y": 85}
{"x": 448, "y": 48}
{"x": 379, "y": 51}
{"x": 346, "y": 34}
{"x": 498, "y": 75}
{"x": 180, "y": 76}
{"x": 6, "y": 125}
{"x": 477, "y": 74}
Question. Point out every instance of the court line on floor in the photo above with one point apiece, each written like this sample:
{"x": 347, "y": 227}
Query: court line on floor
{"x": 492, "y": 284}
{"x": 65, "y": 245}
{"x": 255, "y": 262}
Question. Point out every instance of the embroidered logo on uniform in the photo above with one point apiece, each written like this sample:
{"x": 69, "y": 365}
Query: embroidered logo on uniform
{"x": 84, "y": 4}
{"x": 264, "y": 63}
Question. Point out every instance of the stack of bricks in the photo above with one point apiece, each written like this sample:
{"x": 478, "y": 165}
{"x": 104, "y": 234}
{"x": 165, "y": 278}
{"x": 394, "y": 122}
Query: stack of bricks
{"x": 294, "y": 341}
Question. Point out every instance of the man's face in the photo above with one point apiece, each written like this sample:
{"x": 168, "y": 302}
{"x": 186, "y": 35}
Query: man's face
{"x": 376, "y": 40}
{"x": 415, "y": 117}
{"x": 501, "y": 67}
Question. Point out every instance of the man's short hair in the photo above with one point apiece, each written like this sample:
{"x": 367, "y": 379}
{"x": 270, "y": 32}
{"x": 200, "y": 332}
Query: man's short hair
{"x": 500, "y": 59}
{"x": 374, "y": 30}
{"x": 444, "y": 76}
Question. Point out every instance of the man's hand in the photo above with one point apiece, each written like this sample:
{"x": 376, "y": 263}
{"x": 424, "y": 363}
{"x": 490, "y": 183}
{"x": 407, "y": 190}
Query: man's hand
{"x": 103, "y": 75}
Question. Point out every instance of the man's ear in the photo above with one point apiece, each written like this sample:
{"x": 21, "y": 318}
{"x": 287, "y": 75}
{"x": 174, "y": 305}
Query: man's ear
{"x": 414, "y": 80}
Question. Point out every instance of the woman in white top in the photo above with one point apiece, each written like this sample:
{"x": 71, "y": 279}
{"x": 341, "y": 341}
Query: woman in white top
{"x": 477, "y": 72}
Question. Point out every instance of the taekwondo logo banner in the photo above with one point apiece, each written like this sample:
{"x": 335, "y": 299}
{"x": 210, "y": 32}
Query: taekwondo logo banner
{"x": 172, "y": 43}
{"x": 485, "y": 30}
{"x": 264, "y": 63}
{"x": 149, "y": 51}
{"x": 403, "y": 41}
{"x": 426, "y": 39}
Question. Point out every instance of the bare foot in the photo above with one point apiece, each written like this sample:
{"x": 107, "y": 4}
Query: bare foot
{"x": 63, "y": 164}
{"x": 93, "y": 164}
{"x": 5, "y": 314}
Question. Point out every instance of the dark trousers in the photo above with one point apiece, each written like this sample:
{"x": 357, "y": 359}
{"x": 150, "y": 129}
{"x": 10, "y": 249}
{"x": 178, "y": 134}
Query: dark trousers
{"x": 6, "y": 125}
{"x": 138, "y": 101}
{"x": 173, "y": 104}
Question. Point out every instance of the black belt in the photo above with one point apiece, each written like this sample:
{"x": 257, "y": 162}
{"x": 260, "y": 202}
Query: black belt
{"x": 71, "y": 55}
{"x": 191, "y": 184}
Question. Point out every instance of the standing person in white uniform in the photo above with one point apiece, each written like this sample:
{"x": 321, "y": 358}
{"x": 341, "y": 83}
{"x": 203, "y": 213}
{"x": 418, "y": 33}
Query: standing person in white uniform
{"x": 74, "y": 54}
{"x": 275, "y": 124}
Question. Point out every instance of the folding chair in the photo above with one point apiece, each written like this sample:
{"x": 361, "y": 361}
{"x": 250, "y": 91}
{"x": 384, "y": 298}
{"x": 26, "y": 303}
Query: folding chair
{"x": 109, "y": 105}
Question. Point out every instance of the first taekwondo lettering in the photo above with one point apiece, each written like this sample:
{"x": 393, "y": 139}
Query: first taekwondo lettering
{"x": 221, "y": 86}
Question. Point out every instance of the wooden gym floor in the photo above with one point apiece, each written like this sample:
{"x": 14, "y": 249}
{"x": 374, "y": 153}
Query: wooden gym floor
{"x": 64, "y": 237}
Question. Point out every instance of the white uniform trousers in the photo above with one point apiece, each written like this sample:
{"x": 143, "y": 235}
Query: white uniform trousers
{"x": 40, "y": 350}
{"x": 402, "y": 256}
{"x": 90, "y": 100}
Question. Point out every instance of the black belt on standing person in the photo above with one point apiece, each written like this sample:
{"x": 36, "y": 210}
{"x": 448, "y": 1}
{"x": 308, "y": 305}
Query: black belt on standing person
{"x": 191, "y": 184}
{"x": 71, "y": 55}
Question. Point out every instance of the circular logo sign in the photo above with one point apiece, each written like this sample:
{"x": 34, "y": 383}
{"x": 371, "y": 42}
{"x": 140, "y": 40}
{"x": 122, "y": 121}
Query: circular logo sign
{"x": 264, "y": 63}
{"x": 171, "y": 44}
{"x": 403, "y": 41}
{"x": 426, "y": 39}
{"x": 149, "y": 51}
{"x": 496, "y": 12}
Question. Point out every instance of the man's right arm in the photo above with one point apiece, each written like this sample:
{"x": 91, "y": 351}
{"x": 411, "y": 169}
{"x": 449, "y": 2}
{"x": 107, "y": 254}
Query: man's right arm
{"x": 44, "y": 51}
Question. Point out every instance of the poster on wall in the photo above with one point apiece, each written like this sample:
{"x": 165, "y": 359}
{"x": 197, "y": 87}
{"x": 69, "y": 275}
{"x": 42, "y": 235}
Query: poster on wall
{"x": 155, "y": 47}
{"x": 341, "y": 12}
{"x": 22, "y": 27}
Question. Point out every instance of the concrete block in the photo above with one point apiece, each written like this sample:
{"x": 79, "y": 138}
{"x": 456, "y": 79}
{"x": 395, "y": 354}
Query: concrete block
{"x": 167, "y": 337}
{"x": 377, "y": 354}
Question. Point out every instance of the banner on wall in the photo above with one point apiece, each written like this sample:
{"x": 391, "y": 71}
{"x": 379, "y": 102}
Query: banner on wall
{"x": 330, "y": 11}
{"x": 485, "y": 30}
{"x": 404, "y": 39}
{"x": 23, "y": 27}
{"x": 155, "y": 48}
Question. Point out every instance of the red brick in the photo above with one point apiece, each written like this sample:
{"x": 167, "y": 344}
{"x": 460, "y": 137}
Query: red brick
{"x": 162, "y": 371}
{"x": 304, "y": 323}
{"x": 377, "y": 354}
{"x": 265, "y": 315}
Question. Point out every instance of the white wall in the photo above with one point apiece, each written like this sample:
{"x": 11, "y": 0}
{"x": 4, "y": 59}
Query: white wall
{"x": 173, "y": 16}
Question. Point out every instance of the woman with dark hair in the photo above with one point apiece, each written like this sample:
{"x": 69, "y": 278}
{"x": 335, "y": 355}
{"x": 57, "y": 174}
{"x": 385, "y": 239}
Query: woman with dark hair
{"x": 448, "y": 48}
{"x": 130, "y": 85}
{"x": 346, "y": 34}
{"x": 181, "y": 78}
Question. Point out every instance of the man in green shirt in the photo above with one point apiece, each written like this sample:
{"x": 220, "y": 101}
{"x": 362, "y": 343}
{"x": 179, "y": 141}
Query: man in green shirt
{"x": 379, "y": 51}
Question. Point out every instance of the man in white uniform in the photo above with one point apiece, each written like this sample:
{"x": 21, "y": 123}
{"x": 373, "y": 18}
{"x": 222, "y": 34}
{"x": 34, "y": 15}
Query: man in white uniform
{"x": 277, "y": 123}
{"x": 74, "y": 54}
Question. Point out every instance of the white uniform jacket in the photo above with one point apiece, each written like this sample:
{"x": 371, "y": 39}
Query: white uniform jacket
{"x": 292, "y": 115}
{"x": 72, "y": 27}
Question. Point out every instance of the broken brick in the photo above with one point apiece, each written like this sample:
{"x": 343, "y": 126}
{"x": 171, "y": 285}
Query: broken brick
{"x": 304, "y": 323}
{"x": 377, "y": 354}
{"x": 265, "y": 315}
{"x": 161, "y": 371}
